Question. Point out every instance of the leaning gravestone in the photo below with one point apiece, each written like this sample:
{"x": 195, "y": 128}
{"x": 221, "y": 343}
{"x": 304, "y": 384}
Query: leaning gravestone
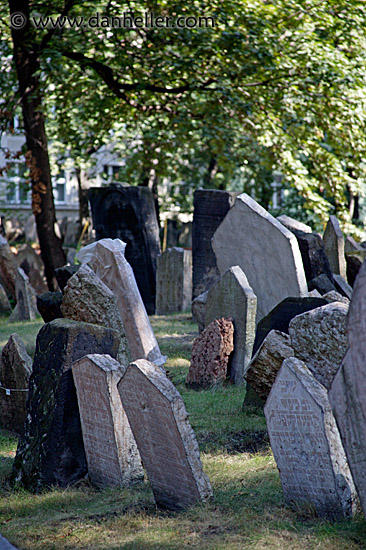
{"x": 87, "y": 299}
{"x": 266, "y": 251}
{"x": 26, "y": 301}
{"x": 263, "y": 368}
{"x": 210, "y": 208}
{"x": 279, "y": 318}
{"x": 293, "y": 224}
{"x": 15, "y": 370}
{"x": 173, "y": 281}
{"x": 313, "y": 255}
{"x": 110, "y": 448}
{"x": 33, "y": 267}
{"x": 348, "y": 392}
{"x": 165, "y": 439}
{"x": 8, "y": 267}
{"x": 51, "y": 450}
{"x": 49, "y": 306}
{"x": 106, "y": 258}
{"x": 319, "y": 338}
{"x": 128, "y": 213}
{"x": 211, "y": 352}
{"x": 334, "y": 247}
{"x": 232, "y": 297}
{"x": 306, "y": 444}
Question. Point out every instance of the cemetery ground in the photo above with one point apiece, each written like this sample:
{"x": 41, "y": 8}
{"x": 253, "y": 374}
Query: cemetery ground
{"x": 247, "y": 511}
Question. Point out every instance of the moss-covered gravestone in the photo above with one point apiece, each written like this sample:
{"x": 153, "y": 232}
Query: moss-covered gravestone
{"x": 51, "y": 450}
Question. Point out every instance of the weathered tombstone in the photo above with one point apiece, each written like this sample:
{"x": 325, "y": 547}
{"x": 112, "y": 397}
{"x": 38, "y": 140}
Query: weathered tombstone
{"x": 30, "y": 229}
{"x": 87, "y": 299}
{"x": 232, "y": 297}
{"x": 32, "y": 266}
{"x": 342, "y": 286}
{"x": 211, "y": 351}
{"x": 313, "y": 255}
{"x": 51, "y": 450}
{"x": 334, "y": 296}
{"x": 279, "y": 318}
{"x": 334, "y": 247}
{"x": 5, "y": 307}
{"x": 15, "y": 370}
{"x": 106, "y": 258}
{"x": 110, "y": 448}
{"x": 128, "y": 213}
{"x": 8, "y": 267}
{"x": 293, "y": 224}
{"x": 49, "y": 306}
{"x": 198, "y": 310}
{"x": 26, "y": 301}
{"x": 306, "y": 444}
{"x": 173, "y": 281}
{"x": 354, "y": 260}
{"x": 210, "y": 208}
{"x": 322, "y": 284}
{"x": 263, "y": 368}
{"x": 348, "y": 392}
{"x": 350, "y": 245}
{"x": 165, "y": 439}
{"x": 319, "y": 338}
{"x": 266, "y": 251}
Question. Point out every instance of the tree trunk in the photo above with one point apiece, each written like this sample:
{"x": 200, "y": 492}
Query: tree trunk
{"x": 27, "y": 66}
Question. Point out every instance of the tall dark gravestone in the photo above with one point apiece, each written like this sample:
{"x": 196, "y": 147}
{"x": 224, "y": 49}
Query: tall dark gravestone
{"x": 210, "y": 208}
{"x": 128, "y": 213}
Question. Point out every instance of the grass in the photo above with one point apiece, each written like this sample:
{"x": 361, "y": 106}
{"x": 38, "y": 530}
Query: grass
{"x": 246, "y": 513}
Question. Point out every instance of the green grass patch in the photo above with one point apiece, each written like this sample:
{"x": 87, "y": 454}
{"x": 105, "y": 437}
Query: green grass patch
{"x": 246, "y": 513}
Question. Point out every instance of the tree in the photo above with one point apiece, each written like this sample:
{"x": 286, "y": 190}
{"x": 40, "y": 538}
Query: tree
{"x": 26, "y": 58}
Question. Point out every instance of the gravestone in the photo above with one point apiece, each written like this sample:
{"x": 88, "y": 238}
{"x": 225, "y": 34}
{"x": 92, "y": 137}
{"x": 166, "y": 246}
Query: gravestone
{"x": 15, "y": 370}
{"x": 232, "y": 297}
{"x": 306, "y": 443}
{"x": 279, "y": 318}
{"x": 319, "y": 338}
{"x": 106, "y": 258}
{"x": 165, "y": 439}
{"x": 354, "y": 260}
{"x": 5, "y": 307}
{"x": 26, "y": 300}
{"x": 51, "y": 450}
{"x": 8, "y": 267}
{"x": 334, "y": 296}
{"x": 87, "y": 299}
{"x": 128, "y": 213}
{"x": 263, "y": 368}
{"x": 49, "y": 306}
{"x": 198, "y": 310}
{"x": 293, "y": 224}
{"x": 110, "y": 448}
{"x": 313, "y": 255}
{"x": 266, "y": 251}
{"x": 211, "y": 351}
{"x": 173, "y": 281}
{"x": 342, "y": 286}
{"x": 348, "y": 392}
{"x": 33, "y": 267}
{"x": 210, "y": 208}
{"x": 334, "y": 247}
{"x": 322, "y": 284}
